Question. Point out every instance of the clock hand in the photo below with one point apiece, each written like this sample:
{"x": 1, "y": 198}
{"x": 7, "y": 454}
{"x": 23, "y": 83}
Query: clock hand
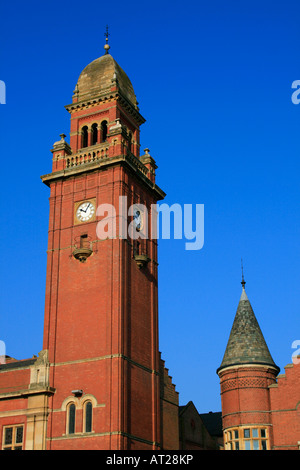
{"x": 87, "y": 207}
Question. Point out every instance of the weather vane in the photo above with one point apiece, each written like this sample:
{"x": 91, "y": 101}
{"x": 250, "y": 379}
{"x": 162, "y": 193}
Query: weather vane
{"x": 243, "y": 280}
{"x": 106, "y": 34}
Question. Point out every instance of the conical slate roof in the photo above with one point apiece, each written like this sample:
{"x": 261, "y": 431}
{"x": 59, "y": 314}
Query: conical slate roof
{"x": 246, "y": 344}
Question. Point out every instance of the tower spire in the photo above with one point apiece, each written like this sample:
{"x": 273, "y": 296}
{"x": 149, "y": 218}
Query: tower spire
{"x": 246, "y": 344}
{"x": 107, "y": 46}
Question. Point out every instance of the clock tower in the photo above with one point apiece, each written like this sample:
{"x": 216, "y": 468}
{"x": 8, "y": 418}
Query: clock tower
{"x": 101, "y": 308}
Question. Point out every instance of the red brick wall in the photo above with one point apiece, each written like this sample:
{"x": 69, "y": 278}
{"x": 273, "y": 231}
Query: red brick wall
{"x": 169, "y": 402}
{"x": 245, "y": 395}
{"x": 285, "y": 406}
{"x": 102, "y": 314}
{"x": 12, "y": 381}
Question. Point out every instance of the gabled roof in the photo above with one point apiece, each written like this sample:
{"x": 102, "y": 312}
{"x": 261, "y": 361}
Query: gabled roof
{"x": 213, "y": 423}
{"x": 212, "y": 420}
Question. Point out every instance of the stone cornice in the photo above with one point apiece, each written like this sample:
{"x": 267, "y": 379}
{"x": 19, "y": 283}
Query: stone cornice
{"x": 129, "y": 160}
{"x": 255, "y": 365}
{"x": 26, "y": 392}
{"x": 106, "y": 96}
{"x": 107, "y": 357}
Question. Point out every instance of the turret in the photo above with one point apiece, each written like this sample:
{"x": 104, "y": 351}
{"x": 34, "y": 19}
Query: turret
{"x": 246, "y": 371}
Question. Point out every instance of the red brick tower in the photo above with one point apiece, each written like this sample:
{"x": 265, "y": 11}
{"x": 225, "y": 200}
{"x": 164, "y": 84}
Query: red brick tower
{"x": 245, "y": 374}
{"x": 101, "y": 311}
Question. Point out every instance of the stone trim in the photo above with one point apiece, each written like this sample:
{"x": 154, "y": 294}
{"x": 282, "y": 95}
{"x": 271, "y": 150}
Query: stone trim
{"x": 101, "y": 358}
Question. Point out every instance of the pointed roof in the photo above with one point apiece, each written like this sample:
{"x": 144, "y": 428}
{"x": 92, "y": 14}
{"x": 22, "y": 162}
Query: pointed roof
{"x": 246, "y": 344}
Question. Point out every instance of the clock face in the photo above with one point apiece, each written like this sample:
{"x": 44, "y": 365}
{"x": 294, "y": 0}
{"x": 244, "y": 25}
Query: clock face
{"x": 85, "y": 211}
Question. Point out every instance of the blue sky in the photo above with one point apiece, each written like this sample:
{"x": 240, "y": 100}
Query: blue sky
{"x": 213, "y": 80}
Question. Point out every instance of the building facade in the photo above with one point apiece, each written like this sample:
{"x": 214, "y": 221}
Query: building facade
{"x": 96, "y": 383}
{"x": 100, "y": 382}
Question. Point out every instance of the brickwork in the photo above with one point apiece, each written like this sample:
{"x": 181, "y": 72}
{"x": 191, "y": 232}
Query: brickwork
{"x": 169, "y": 401}
{"x": 12, "y": 405}
{"x": 285, "y": 409}
{"x": 245, "y": 397}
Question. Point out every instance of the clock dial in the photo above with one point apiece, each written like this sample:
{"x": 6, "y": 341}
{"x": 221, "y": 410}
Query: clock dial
{"x": 85, "y": 211}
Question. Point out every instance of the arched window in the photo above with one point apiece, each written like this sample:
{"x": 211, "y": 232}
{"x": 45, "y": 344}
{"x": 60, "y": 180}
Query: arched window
{"x": 84, "y": 137}
{"x": 94, "y": 134}
{"x": 88, "y": 416}
{"x": 103, "y": 131}
{"x": 71, "y": 418}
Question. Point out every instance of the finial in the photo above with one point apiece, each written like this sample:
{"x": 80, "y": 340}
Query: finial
{"x": 76, "y": 91}
{"x": 107, "y": 46}
{"x": 243, "y": 280}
